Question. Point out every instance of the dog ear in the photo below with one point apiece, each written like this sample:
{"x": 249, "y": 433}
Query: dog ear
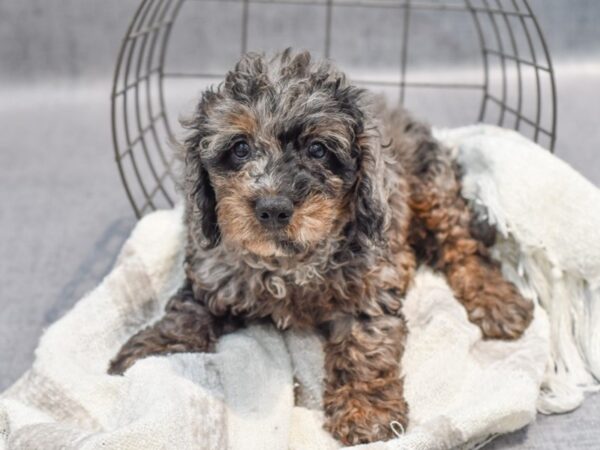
{"x": 369, "y": 193}
{"x": 369, "y": 202}
{"x": 206, "y": 202}
{"x": 201, "y": 202}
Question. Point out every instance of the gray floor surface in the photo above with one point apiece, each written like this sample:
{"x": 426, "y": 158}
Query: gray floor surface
{"x": 64, "y": 214}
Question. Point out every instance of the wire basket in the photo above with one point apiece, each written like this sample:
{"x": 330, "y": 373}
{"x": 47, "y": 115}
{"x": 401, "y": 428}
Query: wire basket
{"x": 453, "y": 62}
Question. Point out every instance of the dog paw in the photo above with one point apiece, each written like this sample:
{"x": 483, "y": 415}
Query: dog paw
{"x": 501, "y": 312}
{"x": 359, "y": 416}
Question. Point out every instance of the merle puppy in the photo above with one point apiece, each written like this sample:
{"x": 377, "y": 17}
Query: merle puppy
{"x": 308, "y": 205}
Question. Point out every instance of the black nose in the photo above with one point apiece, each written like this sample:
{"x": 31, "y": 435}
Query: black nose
{"x": 274, "y": 212}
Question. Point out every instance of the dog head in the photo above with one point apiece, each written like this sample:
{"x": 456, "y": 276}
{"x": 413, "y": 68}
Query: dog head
{"x": 282, "y": 156}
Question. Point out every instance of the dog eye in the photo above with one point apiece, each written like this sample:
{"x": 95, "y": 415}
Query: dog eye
{"x": 316, "y": 150}
{"x": 241, "y": 150}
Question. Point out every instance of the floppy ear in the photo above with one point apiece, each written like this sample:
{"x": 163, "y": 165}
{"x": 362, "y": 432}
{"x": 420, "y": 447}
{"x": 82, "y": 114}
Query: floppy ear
{"x": 369, "y": 196}
{"x": 369, "y": 202}
{"x": 201, "y": 202}
{"x": 206, "y": 202}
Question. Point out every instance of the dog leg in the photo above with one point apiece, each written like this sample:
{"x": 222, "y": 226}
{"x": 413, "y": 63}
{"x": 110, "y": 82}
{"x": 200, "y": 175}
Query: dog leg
{"x": 492, "y": 302}
{"x": 363, "y": 389}
{"x": 187, "y": 326}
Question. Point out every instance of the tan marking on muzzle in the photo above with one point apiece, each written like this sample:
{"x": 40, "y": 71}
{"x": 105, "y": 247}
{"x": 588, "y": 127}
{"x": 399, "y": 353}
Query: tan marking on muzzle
{"x": 314, "y": 219}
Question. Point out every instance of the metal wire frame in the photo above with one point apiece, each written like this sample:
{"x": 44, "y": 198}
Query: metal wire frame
{"x": 141, "y": 126}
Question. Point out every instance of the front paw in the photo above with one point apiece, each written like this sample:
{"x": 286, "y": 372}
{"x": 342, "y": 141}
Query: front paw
{"x": 362, "y": 412}
{"x": 500, "y": 311}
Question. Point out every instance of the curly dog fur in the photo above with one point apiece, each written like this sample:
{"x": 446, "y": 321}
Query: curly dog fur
{"x": 357, "y": 195}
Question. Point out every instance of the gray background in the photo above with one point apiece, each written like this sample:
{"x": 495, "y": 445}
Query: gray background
{"x": 64, "y": 213}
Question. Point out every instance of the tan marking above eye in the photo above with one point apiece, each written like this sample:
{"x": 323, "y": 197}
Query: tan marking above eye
{"x": 244, "y": 121}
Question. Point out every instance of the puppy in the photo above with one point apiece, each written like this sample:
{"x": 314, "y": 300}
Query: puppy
{"x": 308, "y": 205}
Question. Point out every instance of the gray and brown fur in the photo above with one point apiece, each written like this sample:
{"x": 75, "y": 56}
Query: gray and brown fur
{"x": 385, "y": 197}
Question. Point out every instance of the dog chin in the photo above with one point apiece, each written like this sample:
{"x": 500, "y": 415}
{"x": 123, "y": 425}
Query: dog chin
{"x": 274, "y": 247}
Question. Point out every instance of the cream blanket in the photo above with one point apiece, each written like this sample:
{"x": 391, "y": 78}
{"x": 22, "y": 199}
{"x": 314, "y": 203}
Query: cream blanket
{"x": 262, "y": 388}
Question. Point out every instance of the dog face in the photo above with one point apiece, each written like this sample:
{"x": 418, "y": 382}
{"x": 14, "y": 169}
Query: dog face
{"x": 280, "y": 158}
